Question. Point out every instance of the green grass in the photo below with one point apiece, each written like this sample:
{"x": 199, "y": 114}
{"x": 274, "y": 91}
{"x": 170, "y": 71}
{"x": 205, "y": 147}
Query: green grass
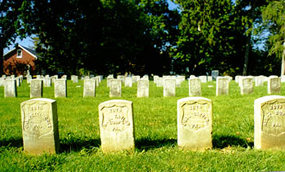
{"x": 155, "y": 133}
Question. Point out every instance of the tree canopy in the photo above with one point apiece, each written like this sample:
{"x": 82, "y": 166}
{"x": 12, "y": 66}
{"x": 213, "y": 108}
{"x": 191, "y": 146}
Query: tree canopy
{"x": 145, "y": 36}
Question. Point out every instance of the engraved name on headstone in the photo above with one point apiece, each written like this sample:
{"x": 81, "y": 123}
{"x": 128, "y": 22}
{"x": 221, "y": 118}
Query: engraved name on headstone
{"x": 269, "y": 122}
{"x": 194, "y": 119}
{"x": 116, "y": 126}
{"x": 40, "y": 126}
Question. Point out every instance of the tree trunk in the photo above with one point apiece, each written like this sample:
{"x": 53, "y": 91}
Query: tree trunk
{"x": 246, "y": 56}
{"x": 283, "y": 61}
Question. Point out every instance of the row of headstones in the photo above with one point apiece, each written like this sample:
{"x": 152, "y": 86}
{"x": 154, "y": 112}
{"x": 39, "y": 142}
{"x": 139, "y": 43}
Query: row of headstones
{"x": 36, "y": 86}
{"x": 116, "y": 120}
{"x": 60, "y": 86}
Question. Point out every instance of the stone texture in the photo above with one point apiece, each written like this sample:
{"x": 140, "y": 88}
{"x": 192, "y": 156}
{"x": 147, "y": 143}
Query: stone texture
{"x": 194, "y": 119}
{"x": 89, "y": 88}
{"x": 60, "y": 88}
{"x": 259, "y": 80}
{"x": 169, "y": 87}
{"x": 274, "y": 85}
{"x": 36, "y": 89}
{"x": 116, "y": 126}
{"x": 128, "y": 82}
{"x": 222, "y": 86}
{"x": 40, "y": 126}
{"x": 47, "y": 81}
{"x": 10, "y": 88}
{"x": 246, "y": 86}
{"x": 115, "y": 88}
{"x": 203, "y": 78}
{"x": 74, "y": 78}
{"x": 269, "y": 122}
{"x": 143, "y": 88}
{"x": 215, "y": 74}
{"x": 195, "y": 87}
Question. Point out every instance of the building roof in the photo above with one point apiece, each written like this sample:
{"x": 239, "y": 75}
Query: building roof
{"x": 28, "y": 50}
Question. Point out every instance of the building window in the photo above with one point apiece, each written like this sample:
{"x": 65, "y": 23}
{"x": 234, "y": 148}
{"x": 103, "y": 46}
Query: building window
{"x": 19, "y": 53}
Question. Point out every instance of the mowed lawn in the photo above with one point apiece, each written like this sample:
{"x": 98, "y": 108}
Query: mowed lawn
{"x": 155, "y": 133}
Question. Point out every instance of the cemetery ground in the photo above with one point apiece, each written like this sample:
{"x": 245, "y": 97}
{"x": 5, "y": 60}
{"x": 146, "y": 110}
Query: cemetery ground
{"x": 155, "y": 121}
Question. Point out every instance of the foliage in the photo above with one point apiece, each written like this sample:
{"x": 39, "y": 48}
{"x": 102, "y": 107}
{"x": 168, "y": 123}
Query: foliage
{"x": 274, "y": 17}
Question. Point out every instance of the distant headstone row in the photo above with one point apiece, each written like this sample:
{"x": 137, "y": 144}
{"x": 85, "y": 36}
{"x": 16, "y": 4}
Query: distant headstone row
{"x": 169, "y": 84}
{"x": 116, "y": 121}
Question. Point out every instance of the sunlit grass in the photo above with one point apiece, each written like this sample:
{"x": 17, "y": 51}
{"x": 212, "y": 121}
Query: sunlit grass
{"x": 155, "y": 132}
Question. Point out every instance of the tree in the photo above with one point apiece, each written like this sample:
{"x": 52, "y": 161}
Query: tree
{"x": 274, "y": 16}
{"x": 10, "y": 25}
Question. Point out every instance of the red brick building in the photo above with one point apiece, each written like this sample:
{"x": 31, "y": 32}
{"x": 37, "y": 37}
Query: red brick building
{"x": 19, "y": 60}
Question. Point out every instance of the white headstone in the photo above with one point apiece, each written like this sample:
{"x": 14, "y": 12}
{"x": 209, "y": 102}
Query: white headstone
{"x": 40, "y": 126}
{"x": 222, "y": 86}
{"x": 115, "y": 88}
{"x": 10, "y": 88}
{"x": 89, "y": 88}
{"x": 116, "y": 126}
{"x": 246, "y": 85}
{"x": 269, "y": 122}
{"x": 169, "y": 87}
{"x": 194, "y": 119}
{"x": 60, "y": 89}
{"x": 143, "y": 88}
{"x": 36, "y": 89}
{"x": 274, "y": 85}
{"x": 195, "y": 87}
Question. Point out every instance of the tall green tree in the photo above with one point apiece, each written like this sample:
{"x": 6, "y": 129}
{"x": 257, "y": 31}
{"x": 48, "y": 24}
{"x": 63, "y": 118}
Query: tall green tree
{"x": 274, "y": 18}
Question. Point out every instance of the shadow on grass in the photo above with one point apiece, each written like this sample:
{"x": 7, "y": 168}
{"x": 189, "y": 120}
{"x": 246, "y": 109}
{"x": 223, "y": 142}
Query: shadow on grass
{"x": 222, "y": 141}
{"x": 77, "y": 145}
{"x": 147, "y": 144}
{"x": 12, "y": 142}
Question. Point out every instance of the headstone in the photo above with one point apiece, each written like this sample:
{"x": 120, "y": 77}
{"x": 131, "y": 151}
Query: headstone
{"x": 60, "y": 88}
{"x": 109, "y": 82}
{"x": 47, "y": 81}
{"x": 222, "y": 86}
{"x": 18, "y": 82}
{"x": 269, "y": 122}
{"x": 143, "y": 88}
{"x": 116, "y": 126}
{"x": 215, "y": 74}
{"x": 2, "y": 81}
{"x": 89, "y": 88}
{"x": 10, "y": 88}
{"x": 246, "y": 85}
{"x": 195, "y": 87}
{"x": 274, "y": 85}
{"x": 115, "y": 88}
{"x": 29, "y": 78}
{"x": 135, "y": 78}
{"x": 259, "y": 80}
{"x": 74, "y": 78}
{"x": 128, "y": 82}
{"x": 159, "y": 82}
{"x": 203, "y": 78}
{"x": 194, "y": 119}
{"x": 36, "y": 89}
{"x": 121, "y": 77}
{"x": 210, "y": 79}
{"x": 40, "y": 126}
{"x": 169, "y": 87}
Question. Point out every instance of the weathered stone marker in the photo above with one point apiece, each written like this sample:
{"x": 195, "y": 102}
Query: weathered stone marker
{"x": 115, "y": 88}
{"x": 10, "y": 88}
{"x": 194, "y": 119}
{"x": 269, "y": 122}
{"x": 274, "y": 85}
{"x": 60, "y": 88}
{"x": 246, "y": 86}
{"x": 89, "y": 88}
{"x": 116, "y": 126}
{"x": 169, "y": 87}
{"x": 222, "y": 86}
{"x": 143, "y": 88}
{"x": 128, "y": 82}
{"x": 194, "y": 87}
{"x": 36, "y": 89}
{"x": 40, "y": 126}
